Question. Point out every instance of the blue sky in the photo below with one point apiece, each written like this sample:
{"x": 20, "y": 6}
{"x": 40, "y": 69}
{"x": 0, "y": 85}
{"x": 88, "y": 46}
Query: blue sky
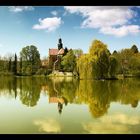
{"x": 78, "y": 26}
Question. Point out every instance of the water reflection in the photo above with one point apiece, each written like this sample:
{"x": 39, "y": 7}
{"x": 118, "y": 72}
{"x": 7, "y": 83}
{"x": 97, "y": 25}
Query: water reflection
{"x": 103, "y": 93}
{"x": 48, "y": 125}
{"x": 98, "y": 95}
{"x": 115, "y": 123}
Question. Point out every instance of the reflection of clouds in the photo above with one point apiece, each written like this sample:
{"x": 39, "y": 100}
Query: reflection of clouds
{"x": 48, "y": 125}
{"x": 100, "y": 127}
{"x": 116, "y": 123}
{"x": 121, "y": 118}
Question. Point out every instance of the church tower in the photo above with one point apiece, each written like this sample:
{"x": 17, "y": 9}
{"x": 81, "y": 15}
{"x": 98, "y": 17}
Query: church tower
{"x": 60, "y": 44}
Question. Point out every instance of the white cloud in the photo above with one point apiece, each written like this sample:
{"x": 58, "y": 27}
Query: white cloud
{"x": 116, "y": 123}
{"x": 50, "y": 24}
{"x": 17, "y": 9}
{"x": 121, "y": 31}
{"x": 54, "y": 13}
{"x": 111, "y": 20}
{"x": 48, "y": 125}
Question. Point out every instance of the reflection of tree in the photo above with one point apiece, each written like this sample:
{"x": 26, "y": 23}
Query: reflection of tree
{"x": 96, "y": 94}
{"x": 100, "y": 103}
{"x": 97, "y": 110}
{"x": 68, "y": 90}
{"x": 62, "y": 88}
{"x": 99, "y": 94}
{"x": 30, "y": 91}
{"x": 8, "y": 86}
{"x": 15, "y": 86}
{"x": 134, "y": 103}
{"x": 130, "y": 92}
{"x": 27, "y": 88}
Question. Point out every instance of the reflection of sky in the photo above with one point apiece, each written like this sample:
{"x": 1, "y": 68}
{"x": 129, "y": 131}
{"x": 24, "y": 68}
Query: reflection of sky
{"x": 114, "y": 123}
{"x": 48, "y": 125}
{"x": 118, "y": 107}
{"x": 75, "y": 118}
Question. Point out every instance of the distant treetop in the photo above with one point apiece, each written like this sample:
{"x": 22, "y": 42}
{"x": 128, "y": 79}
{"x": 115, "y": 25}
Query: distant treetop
{"x": 134, "y": 49}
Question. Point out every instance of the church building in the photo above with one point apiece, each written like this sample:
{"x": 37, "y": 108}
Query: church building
{"x": 55, "y": 56}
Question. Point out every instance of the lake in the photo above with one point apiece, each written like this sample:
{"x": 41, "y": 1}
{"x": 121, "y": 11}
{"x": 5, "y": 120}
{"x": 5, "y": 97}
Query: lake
{"x": 32, "y": 105}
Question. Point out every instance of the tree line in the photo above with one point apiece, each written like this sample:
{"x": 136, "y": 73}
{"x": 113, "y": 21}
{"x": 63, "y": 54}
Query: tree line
{"x": 26, "y": 64}
{"x": 98, "y": 63}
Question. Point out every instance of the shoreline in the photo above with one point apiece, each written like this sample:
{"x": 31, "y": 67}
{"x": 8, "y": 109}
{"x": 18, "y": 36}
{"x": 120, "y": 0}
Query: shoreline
{"x": 71, "y": 75}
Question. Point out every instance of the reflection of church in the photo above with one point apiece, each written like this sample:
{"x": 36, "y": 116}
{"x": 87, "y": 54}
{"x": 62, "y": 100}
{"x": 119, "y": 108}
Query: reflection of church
{"x": 59, "y": 100}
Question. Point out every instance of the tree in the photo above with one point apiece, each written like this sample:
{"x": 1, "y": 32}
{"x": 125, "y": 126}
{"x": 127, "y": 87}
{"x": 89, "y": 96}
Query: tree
{"x": 20, "y": 65}
{"x": 65, "y": 51}
{"x": 69, "y": 61}
{"x": 15, "y": 65}
{"x": 85, "y": 67}
{"x": 96, "y": 63}
{"x": 113, "y": 64}
{"x": 134, "y": 49}
{"x": 9, "y": 65}
{"x": 100, "y": 55}
{"x": 30, "y": 59}
{"x": 134, "y": 64}
{"x": 78, "y": 52}
{"x": 114, "y": 52}
{"x": 124, "y": 58}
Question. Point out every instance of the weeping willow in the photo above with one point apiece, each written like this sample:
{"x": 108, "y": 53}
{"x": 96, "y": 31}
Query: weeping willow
{"x": 95, "y": 64}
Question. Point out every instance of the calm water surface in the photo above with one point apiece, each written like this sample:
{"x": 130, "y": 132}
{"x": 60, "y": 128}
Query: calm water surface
{"x": 39, "y": 105}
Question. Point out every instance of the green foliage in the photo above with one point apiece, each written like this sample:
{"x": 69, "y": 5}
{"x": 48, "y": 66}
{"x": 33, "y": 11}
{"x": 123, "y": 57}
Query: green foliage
{"x": 10, "y": 65}
{"x": 78, "y": 52}
{"x": 20, "y": 65}
{"x": 85, "y": 67}
{"x": 100, "y": 54}
{"x": 134, "y": 65}
{"x": 128, "y": 62}
{"x": 96, "y": 63}
{"x": 30, "y": 92}
{"x": 30, "y": 60}
{"x": 65, "y": 51}
{"x": 113, "y": 65}
{"x": 97, "y": 95}
{"x": 43, "y": 71}
{"x": 69, "y": 61}
{"x": 134, "y": 49}
{"x": 114, "y": 52}
{"x": 62, "y": 88}
{"x": 15, "y": 65}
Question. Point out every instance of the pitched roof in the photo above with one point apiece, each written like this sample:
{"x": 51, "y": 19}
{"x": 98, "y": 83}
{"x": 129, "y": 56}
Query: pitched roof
{"x": 61, "y": 51}
{"x": 56, "y": 51}
{"x": 53, "y": 51}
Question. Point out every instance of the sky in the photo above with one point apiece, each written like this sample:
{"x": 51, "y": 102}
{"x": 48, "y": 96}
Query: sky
{"x": 78, "y": 26}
